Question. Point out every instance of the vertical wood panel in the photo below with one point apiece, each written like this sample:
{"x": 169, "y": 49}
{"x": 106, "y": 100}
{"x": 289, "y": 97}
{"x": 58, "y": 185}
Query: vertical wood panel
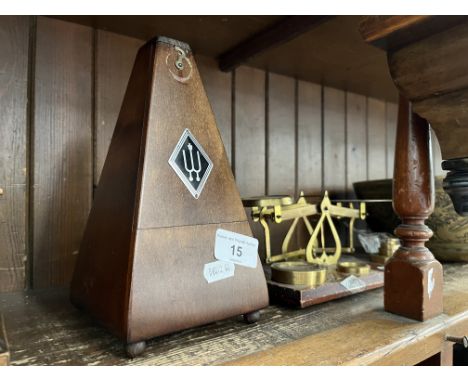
{"x": 309, "y": 142}
{"x": 334, "y": 166}
{"x": 218, "y": 88}
{"x": 334, "y": 148}
{"x": 281, "y": 147}
{"x": 391, "y": 125}
{"x": 250, "y": 131}
{"x": 281, "y": 136}
{"x": 376, "y": 139}
{"x": 62, "y": 148}
{"x": 356, "y": 164}
{"x": 14, "y": 32}
{"x": 309, "y": 146}
{"x": 115, "y": 55}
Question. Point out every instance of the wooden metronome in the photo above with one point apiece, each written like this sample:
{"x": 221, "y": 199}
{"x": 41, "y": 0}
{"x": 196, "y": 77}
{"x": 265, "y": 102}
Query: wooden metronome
{"x": 165, "y": 190}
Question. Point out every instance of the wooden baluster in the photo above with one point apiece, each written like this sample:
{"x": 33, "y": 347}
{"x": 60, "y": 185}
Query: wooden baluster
{"x": 413, "y": 277}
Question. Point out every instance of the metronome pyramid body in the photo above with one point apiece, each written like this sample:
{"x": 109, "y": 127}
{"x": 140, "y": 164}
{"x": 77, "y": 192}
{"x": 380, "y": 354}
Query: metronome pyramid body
{"x": 165, "y": 188}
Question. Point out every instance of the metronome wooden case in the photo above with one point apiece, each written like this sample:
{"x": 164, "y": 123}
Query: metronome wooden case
{"x": 152, "y": 226}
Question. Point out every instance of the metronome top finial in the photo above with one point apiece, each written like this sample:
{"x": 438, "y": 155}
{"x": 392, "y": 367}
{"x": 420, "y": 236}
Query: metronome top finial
{"x": 171, "y": 42}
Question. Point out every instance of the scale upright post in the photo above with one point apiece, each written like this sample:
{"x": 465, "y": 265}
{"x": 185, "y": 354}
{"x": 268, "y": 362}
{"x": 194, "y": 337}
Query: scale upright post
{"x": 165, "y": 189}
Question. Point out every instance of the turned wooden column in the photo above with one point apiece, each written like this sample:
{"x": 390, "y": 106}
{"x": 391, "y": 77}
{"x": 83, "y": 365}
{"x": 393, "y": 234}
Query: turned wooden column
{"x": 413, "y": 277}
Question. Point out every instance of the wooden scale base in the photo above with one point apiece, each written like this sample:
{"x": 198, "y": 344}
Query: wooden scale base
{"x": 335, "y": 286}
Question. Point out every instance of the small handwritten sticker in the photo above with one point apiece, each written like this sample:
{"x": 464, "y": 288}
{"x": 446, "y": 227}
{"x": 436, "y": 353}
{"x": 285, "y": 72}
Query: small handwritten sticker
{"x": 353, "y": 284}
{"x": 236, "y": 248}
{"x": 218, "y": 270}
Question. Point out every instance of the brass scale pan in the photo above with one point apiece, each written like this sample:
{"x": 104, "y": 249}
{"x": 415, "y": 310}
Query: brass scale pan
{"x": 298, "y": 273}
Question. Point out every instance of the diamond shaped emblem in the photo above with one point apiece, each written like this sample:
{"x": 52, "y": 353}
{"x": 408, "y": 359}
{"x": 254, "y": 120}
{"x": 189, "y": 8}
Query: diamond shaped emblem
{"x": 191, "y": 163}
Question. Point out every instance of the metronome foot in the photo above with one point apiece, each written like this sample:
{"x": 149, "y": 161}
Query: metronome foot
{"x": 135, "y": 349}
{"x": 252, "y": 317}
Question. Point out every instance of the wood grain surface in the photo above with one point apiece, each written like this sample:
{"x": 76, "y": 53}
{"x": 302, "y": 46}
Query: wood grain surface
{"x": 431, "y": 72}
{"x": 391, "y": 116}
{"x": 339, "y": 58}
{"x": 250, "y": 151}
{"x": 413, "y": 277}
{"x": 281, "y": 148}
{"x": 218, "y": 88}
{"x": 183, "y": 107}
{"x": 62, "y": 148}
{"x": 309, "y": 138}
{"x": 435, "y": 65}
{"x": 447, "y": 112}
{"x": 302, "y": 296}
{"x": 334, "y": 153}
{"x": 426, "y": 62}
{"x": 378, "y": 338}
{"x": 374, "y": 28}
{"x": 356, "y": 134}
{"x": 114, "y": 58}
{"x": 377, "y": 163}
{"x": 4, "y": 345}
{"x": 14, "y": 40}
{"x": 44, "y": 329}
{"x": 281, "y": 136}
{"x": 102, "y": 268}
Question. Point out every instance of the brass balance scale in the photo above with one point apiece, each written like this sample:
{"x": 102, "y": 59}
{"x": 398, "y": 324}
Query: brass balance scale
{"x": 313, "y": 274}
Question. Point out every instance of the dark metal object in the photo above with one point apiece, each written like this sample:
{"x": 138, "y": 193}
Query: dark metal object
{"x": 252, "y": 317}
{"x": 456, "y": 183}
{"x": 367, "y": 201}
{"x": 381, "y": 217}
{"x": 458, "y": 340}
{"x": 135, "y": 349}
{"x": 283, "y": 31}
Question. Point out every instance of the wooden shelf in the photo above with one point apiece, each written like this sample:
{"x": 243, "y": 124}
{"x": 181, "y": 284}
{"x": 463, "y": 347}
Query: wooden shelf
{"x": 45, "y": 329}
{"x": 332, "y": 52}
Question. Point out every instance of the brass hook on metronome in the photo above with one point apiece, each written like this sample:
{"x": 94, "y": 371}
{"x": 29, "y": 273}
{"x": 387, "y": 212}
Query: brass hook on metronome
{"x": 180, "y": 65}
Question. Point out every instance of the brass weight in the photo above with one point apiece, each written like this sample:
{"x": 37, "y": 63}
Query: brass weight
{"x": 298, "y": 273}
{"x": 387, "y": 248}
{"x": 353, "y": 268}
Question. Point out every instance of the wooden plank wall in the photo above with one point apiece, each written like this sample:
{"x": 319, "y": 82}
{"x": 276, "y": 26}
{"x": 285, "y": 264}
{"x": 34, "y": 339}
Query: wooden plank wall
{"x": 14, "y": 45}
{"x": 282, "y": 135}
{"x": 61, "y": 148}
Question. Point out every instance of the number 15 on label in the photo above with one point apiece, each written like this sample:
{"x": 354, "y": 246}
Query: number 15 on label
{"x": 236, "y": 251}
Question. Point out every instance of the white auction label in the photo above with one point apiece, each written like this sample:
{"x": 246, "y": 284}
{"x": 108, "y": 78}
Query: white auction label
{"x": 218, "y": 270}
{"x": 236, "y": 248}
{"x": 353, "y": 284}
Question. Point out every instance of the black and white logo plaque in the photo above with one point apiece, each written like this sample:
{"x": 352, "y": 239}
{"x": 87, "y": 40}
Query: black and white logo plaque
{"x": 191, "y": 163}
